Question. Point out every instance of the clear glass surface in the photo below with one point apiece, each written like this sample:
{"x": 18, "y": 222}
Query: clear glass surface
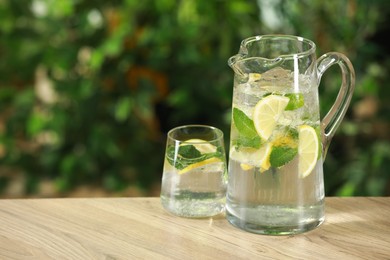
{"x": 194, "y": 174}
{"x": 277, "y": 141}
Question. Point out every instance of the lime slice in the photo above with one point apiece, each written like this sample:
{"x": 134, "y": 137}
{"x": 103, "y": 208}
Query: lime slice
{"x": 267, "y": 113}
{"x": 199, "y": 164}
{"x": 201, "y": 145}
{"x": 308, "y": 148}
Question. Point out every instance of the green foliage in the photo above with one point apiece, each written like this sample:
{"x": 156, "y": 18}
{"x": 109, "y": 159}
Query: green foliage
{"x": 89, "y": 89}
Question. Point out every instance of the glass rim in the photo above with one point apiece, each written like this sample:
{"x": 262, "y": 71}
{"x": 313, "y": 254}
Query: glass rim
{"x": 219, "y": 133}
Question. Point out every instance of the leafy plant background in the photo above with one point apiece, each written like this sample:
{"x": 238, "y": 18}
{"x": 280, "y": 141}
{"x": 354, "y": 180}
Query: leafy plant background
{"x": 89, "y": 89}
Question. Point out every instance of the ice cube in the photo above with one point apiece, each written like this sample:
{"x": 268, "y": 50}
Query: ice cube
{"x": 276, "y": 80}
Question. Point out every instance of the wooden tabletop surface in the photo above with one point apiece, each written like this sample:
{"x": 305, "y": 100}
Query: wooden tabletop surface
{"x": 139, "y": 228}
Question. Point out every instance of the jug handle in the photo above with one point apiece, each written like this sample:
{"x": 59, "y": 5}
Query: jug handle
{"x": 333, "y": 118}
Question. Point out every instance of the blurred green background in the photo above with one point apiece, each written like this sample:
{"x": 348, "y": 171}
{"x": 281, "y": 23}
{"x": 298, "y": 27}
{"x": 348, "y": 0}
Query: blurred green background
{"x": 89, "y": 89}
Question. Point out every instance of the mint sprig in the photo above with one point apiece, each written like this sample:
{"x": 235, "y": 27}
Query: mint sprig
{"x": 244, "y": 124}
{"x": 281, "y": 155}
{"x": 186, "y": 155}
{"x": 248, "y": 136}
{"x": 296, "y": 101}
{"x": 243, "y": 141}
{"x": 285, "y": 148}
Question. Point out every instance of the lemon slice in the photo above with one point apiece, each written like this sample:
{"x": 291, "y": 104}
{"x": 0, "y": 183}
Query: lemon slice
{"x": 199, "y": 164}
{"x": 201, "y": 145}
{"x": 307, "y": 150}
{"x": 246, "y": 167}
{"x": 265, "y": 163}
{"x": 267, "y": 113}
{"x": 251, "y": 157}
{"x": 254, "y": 77}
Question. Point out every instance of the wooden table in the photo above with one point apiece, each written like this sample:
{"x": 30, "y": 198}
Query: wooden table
{"x": 139, "y": 228}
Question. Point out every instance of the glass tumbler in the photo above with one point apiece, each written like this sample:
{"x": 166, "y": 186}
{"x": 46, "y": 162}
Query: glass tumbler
{"x": 194, "y": 175}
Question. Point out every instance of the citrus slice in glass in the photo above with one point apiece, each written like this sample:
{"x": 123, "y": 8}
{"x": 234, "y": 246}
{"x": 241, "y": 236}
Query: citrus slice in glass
{"x": 201, "y": 145}
{"x": 267, "y": 113}
{"x": 251, "y": 157}
{"x": 199, "y": 164}
{"x": 308, "y": 149}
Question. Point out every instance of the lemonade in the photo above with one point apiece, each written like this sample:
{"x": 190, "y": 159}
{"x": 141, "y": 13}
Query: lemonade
{"x": 278, "y": 144}
{"x": 199, "y": 192}
{"x": 275, "y": 160}
{"x": 194, "y": 174}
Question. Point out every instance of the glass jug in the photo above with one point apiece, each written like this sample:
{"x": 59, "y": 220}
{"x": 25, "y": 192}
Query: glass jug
{"x": 277, "y": 142}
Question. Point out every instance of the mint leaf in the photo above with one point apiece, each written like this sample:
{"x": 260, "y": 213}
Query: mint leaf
{"x": 189, "y": 151}
{"x": 293, "y": 133}
{"x": 281, "y": 155}
{"x": 296, "y": 101}
{"x": 244, "y": 124}
{"x": 243, "y": 141}
{"x": 186, "y": 155}
{"x": 174, "y": 159}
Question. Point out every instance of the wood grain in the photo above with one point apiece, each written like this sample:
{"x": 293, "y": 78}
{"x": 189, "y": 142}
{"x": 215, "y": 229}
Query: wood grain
{"x": 139, "y": 228}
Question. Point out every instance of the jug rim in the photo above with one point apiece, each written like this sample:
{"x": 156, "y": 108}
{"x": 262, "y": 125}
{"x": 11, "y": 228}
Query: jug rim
{"x": 243, "y": 52}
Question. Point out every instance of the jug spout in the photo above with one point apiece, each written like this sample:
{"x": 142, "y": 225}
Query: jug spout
{"x": 242, "y": 65}
{"x": 256, "y": 56}
{"x": 234, "y": 63}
